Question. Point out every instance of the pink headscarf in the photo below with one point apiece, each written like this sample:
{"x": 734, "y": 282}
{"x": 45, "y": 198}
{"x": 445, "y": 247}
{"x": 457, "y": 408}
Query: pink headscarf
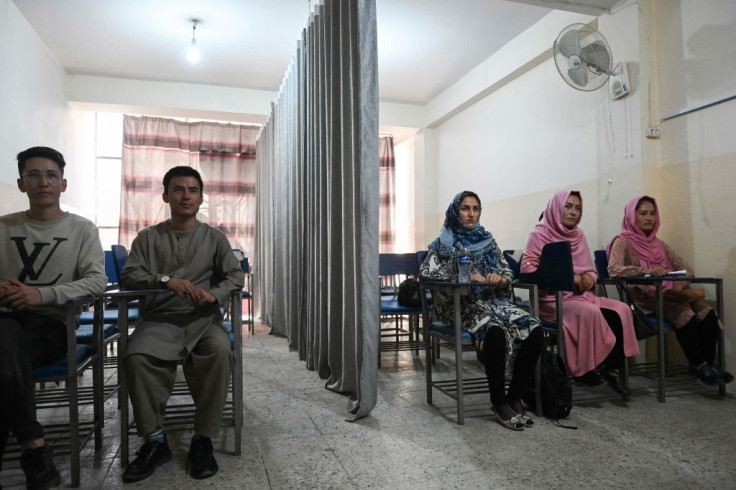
{"x": 647, "y": 248}
{"x": 551, "y": 229}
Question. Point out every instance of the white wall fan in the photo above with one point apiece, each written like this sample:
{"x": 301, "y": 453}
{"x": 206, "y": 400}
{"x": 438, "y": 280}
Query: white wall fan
{"x": 583, "y": 57}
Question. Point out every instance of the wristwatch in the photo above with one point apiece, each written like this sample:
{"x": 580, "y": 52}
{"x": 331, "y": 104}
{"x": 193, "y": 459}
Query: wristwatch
{"x": 164, "y": 280}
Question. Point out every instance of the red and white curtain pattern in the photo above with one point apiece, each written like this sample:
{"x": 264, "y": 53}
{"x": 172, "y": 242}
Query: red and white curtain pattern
{"x": 387, "y": 190}
{"x": 224, "y": 154}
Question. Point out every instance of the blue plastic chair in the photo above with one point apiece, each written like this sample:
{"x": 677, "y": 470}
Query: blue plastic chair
{"x": 601, "y": 265}
{"x": 393, "y": 268}
{"x": 84, "y": 357}
{"x": 554, "y": 273}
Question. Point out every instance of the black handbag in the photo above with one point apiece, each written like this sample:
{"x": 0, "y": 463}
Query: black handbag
{"x": 409, "y": 295}
{"x": 642, "y": 325}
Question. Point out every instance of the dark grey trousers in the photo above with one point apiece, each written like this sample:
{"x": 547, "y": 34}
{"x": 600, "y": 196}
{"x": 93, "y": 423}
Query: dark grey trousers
{"x": 207, "y": 371}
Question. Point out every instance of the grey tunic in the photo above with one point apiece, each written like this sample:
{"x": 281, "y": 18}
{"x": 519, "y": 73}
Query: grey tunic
{"x": 170, "y": 327}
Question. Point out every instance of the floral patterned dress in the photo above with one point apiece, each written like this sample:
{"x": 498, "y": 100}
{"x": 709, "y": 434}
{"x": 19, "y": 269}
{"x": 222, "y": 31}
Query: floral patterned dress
{"x": 482, "y": 308}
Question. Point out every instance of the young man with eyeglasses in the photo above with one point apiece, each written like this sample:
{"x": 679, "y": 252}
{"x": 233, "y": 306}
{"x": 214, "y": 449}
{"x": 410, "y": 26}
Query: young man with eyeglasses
{"x": 196, "y": 263}
{"x": 48, "y": 257}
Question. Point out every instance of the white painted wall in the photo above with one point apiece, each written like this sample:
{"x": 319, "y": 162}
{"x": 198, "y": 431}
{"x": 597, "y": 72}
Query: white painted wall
{"x": 34, "y": 110}
{"x": 535, "y": 134}
{"x": 695, "y": 44}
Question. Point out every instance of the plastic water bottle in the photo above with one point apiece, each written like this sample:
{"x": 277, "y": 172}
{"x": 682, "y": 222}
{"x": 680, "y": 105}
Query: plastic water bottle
{"x": 464, "y": 263}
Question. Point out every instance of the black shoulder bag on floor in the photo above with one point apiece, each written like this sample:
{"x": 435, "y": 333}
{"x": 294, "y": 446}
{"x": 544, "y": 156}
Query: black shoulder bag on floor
{"x": 556, "y": 389}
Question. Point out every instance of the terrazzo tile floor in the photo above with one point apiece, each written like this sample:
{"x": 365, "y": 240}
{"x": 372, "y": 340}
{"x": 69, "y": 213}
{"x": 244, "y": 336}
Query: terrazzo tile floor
{"x": 295, "y": 436}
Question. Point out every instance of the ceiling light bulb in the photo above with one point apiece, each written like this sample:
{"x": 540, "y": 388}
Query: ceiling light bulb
{"x": 193, "y": 51}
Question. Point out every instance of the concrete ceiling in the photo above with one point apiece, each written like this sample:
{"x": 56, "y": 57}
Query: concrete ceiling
{"x": 424, "y": 46}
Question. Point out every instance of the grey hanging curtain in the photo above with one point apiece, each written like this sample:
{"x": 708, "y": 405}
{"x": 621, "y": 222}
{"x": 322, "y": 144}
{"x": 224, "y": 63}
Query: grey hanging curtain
{"x": 317, "y": 212}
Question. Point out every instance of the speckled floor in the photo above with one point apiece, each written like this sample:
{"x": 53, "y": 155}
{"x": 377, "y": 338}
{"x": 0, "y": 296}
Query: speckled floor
{"x": 296, "y": 436}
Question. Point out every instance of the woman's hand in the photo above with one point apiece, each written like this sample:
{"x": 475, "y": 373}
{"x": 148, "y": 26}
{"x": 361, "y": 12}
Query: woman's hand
{"x": 491, "y": 278}
{"x": 677, "y": 287}
{"x": 657, "y": 271}
{"x": 494, "y": 278}
{"x": 584, "y": 282}
{"x": 475, "y": 277}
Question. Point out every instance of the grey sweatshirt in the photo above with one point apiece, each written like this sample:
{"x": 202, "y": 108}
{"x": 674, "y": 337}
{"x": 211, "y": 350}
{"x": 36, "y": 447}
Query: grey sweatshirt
{"x": 63, "y": 258}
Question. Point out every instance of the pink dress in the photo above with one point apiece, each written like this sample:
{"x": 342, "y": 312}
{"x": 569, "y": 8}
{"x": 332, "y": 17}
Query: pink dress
{"x": 588, "y": 338}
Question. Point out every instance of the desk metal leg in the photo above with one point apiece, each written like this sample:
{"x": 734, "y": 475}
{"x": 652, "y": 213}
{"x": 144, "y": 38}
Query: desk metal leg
{"x": 429, "y": 360}
{"x": 459, "y": 359}
{"x": 660, "y": 343}
{"x": 722, "y": 336}
{"x": 123, "y": 391}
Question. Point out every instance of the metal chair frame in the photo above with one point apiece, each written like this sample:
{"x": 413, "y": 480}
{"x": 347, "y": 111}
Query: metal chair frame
{"x": 459, "y": 387}
{"x": 71, "y": 395}
{"x": 179, "y": 416}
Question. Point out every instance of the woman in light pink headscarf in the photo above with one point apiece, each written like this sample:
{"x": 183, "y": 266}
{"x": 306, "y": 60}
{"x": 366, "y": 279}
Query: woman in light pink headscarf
{"x": 636, "y": 252}
{"x": 598, "y": 331}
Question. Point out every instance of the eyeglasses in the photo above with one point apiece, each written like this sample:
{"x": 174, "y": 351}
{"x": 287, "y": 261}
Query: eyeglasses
{"x": 52, "y": 176}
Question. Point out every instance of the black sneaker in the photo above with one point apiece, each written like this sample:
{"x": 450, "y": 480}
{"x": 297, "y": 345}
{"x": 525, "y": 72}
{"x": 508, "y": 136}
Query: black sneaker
{"x": 38, "y": 465}
{"x": 201, "y": 459}
{"x": 591, "y": 378}
{"x": 707, "y": 374}
{"x": 151, "y": 455}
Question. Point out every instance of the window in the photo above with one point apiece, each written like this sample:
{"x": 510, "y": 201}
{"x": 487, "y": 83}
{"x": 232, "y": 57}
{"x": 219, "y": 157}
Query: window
{"x": 108, "y": 169}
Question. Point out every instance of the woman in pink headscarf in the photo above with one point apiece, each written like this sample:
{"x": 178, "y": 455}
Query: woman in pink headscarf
{"x": 597, "y": 331}
{"x": 636, "y": 252}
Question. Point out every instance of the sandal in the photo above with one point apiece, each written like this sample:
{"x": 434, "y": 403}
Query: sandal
{"x": 518, "y": 409}
{"x": 514, "y": 423}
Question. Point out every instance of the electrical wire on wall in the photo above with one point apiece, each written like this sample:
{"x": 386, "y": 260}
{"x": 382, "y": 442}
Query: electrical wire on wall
{"x": 610, "y": 142}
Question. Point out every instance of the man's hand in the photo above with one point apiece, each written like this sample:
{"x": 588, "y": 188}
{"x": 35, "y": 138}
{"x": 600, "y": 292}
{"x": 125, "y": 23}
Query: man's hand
{"x": 204, "y": 297}
{"x": 182, "y": 288}
{"x": 186, "y": 291}
{"x": 18, "y": 296}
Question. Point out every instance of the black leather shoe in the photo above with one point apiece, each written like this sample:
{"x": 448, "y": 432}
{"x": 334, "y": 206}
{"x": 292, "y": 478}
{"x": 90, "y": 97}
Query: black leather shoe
{"x": 591, "y": 378}
{"x": 617, "y": 382}
{"x": 201, "y": 459}
{"x": 151, "y": 455}
{"x": 707, "y": 374}
{"x": 38, "y": 465}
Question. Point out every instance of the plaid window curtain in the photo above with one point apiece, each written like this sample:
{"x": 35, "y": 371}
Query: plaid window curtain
{"x": 224, "y": 154}
{"x": 387, "y": 190}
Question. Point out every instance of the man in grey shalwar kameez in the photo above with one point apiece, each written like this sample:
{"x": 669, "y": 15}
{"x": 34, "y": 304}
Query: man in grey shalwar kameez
{"x": 188, "y": 258}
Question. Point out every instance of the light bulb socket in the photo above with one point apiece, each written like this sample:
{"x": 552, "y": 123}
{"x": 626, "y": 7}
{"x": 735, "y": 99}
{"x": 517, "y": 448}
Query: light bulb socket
{"x": 193, "y": 50}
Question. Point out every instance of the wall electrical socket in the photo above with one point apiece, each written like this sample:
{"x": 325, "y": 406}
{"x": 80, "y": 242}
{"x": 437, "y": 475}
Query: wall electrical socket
{"x": 653, "y": 133}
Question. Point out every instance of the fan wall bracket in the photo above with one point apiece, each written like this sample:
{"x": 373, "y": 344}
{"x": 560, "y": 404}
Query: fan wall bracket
{"x": 618, "y": 83}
